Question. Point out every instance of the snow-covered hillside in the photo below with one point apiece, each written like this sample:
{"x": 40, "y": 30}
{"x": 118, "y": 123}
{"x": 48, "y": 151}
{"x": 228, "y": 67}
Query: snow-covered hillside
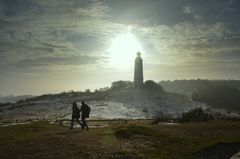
{"x": 128, "y": 103}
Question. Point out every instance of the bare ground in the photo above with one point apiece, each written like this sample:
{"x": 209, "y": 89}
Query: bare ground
{"x": 41, "y": 140}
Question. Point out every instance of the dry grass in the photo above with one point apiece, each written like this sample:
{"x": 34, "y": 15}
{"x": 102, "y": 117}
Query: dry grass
{"x": 136, "y": 140}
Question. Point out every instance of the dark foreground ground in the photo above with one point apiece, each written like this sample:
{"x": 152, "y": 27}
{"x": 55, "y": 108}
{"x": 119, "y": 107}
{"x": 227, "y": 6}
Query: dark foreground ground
{"x": 40, "y": 140}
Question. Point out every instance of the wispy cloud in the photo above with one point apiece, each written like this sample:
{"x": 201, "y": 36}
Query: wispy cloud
{"x": 64, "y": 36}
{"x": 42, "y": 29}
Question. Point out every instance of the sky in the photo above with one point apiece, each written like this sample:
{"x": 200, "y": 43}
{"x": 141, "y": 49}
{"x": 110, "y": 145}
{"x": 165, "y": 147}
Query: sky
{"x": 50, "y": 46}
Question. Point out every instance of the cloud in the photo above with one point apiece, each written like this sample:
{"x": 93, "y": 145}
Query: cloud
{"x": 44, "y": 36}
{"x": 191, "y": 11}
{"x": 191, "y": 47}
{"x": 197, "y": 17}
{"x": 188, "y": 10}
{"x": 56, "y": 64}
{"x": 79, "y": 27}
{"x": 164, "y": 36}
{"x": 55, "y": 30}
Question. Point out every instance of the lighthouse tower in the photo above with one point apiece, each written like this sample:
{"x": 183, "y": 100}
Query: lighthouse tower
{"x": 138, "y": 70}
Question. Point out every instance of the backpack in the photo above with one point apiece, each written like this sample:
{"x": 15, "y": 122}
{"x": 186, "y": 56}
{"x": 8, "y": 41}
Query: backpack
{"x": 87, "y": 110}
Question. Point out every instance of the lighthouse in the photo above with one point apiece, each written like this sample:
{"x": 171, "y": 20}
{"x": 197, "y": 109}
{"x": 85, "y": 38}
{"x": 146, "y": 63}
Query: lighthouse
{"x": 138, "y": 70}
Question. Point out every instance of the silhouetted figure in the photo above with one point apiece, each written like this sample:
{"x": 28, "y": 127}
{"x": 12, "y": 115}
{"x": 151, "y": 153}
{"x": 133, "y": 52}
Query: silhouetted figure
{"x": 75, "y": 115}
{"x": 85, "y": 109}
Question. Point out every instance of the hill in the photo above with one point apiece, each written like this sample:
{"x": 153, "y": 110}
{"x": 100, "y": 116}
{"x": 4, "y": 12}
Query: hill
{"x": 122, "y": 100}
{"x": 187, "y": 87}
{"x": 218, "y": 96}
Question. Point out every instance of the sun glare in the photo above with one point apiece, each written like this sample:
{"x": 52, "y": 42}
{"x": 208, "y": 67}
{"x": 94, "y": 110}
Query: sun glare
{"x": 123, "y": 49}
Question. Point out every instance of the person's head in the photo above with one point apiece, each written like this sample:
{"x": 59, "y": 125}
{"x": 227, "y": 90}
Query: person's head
{"x": 74, "y": 104}
{"x": 82, "y": 102}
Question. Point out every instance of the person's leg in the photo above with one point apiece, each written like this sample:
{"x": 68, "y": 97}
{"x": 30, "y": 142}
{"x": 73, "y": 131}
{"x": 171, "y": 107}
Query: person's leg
{"x": 85, "y": 123}
{"x": 80, "y": 123}
{"x": 72, "y": 123}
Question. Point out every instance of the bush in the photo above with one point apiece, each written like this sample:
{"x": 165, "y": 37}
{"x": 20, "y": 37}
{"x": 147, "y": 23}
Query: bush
{"x": 197, "y": 114}
{"x": 152, "y": 85}
{"x": 118, "y": 85}
{"x": 162, "y": 117}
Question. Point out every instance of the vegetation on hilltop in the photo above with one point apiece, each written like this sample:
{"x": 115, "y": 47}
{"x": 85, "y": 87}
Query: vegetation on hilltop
{"x": 217, "y": 93}
{"x": 187, "y": 87}
{"x": 219, "y": 96}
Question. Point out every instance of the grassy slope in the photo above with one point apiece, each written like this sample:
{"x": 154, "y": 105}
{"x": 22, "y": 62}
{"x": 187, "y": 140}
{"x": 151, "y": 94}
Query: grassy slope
{"x": 41, "y": 140}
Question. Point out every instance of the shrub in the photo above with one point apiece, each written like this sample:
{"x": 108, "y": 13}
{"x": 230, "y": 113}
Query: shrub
{"x": 152, "y": 85}
{"x": 162, "y": 117}
{"x": 197, "y": 114}
{"x": 118, "y": 85}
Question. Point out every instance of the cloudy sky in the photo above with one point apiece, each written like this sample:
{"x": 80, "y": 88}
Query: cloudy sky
{"x": 49, "y": 46}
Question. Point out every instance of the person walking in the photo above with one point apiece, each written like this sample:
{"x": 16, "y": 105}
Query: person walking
{"x": 75, "y": 115}
{"x": 85, "y": 109}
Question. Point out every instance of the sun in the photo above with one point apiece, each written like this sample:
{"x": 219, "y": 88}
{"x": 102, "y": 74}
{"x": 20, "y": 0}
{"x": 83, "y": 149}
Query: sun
{"x": 123, "y": 49}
